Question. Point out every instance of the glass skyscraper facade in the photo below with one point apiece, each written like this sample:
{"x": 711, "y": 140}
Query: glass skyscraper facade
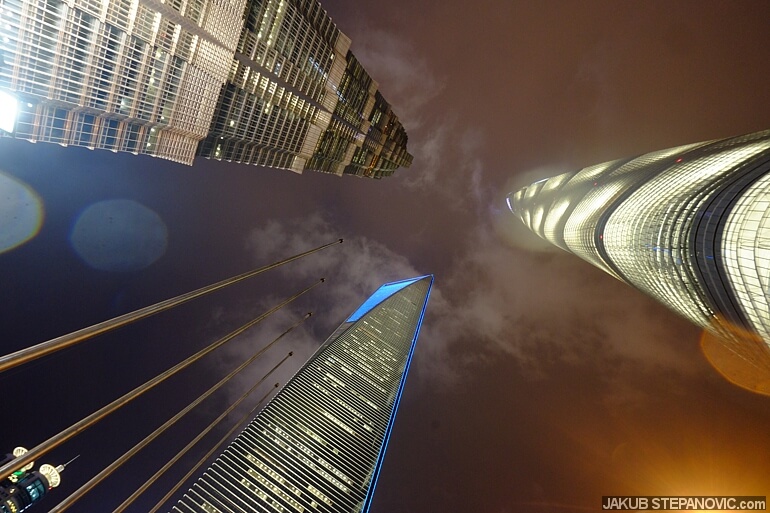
{"x": 125, "y": 75}
{"x": 689, "y": 226}
{"x": 264, "y": 82}
{"x": 296, "y": 98}
{"x": 318, "y": 445}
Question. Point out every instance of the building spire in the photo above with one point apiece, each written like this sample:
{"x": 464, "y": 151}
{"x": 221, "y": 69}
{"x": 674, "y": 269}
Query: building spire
{"x": 62, "y": 467}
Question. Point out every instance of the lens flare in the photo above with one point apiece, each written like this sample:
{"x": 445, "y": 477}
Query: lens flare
{"x": 741, "y": 357}
{"x": 119, "y": 235}
{"x": 21, "y": 213}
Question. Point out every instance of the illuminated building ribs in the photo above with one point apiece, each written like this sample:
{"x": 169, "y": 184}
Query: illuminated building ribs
{"x": 689, "y": 226}
{"x": 319, "y": 444}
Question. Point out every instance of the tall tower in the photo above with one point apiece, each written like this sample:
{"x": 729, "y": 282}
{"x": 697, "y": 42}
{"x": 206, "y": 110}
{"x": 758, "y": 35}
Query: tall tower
{"x": 265, "y": 82}
{"x": 690, "y": 226}
{"x": 125, "y": 75}
{"x": 320, "y": 442}
{"x": 296, "y": 98}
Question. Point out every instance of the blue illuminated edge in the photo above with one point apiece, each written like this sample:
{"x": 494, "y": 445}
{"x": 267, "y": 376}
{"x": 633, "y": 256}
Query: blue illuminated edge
{"x": 367, "y": 307}
{"x": 386, "y": 438}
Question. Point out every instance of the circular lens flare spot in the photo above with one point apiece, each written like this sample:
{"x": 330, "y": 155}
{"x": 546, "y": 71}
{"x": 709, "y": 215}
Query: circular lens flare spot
{"x": 119, "y": 235}
{"x": 741, "y": 357}
{"x": 21, "y": 212}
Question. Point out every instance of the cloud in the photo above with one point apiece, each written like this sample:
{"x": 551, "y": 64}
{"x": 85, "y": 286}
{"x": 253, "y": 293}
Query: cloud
{"x": 447, "y": 152}
{"x": 506, "y": 294}
{"x": 301, "y": 341}
{"x": 412, "y": 83}
{"x": 449, "y": 163}
{"x": 353, "y": 270}
{"x": 546, "y": 310}
{"x": 539, "y": 310}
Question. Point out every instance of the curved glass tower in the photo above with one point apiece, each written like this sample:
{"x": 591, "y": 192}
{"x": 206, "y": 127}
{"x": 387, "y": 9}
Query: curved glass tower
{"x": 689, "y": 226}
{"x": 319, "y": 444}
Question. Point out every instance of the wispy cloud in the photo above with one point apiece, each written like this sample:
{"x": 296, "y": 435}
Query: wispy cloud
{"x": 353, "y": 270}
{"x": 506, "y": 295}
{"x": 496, "y": 301}
{"x": 447, "y": 152}
{"x": 412, "y": 83}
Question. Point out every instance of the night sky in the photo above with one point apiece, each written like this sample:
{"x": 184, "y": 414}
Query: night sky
{"x": 539, "y": 383}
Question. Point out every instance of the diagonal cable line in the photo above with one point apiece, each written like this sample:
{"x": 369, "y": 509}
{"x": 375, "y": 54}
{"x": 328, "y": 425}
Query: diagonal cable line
{"x": 187, "y": 448}
{"x": 58, "y": 439}
{"x": 107, "y": 471}
{"x": 28, "y": 354}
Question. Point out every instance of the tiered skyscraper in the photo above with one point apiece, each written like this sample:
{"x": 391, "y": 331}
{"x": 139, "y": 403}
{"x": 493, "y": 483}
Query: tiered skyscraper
{"x": 264, "y": 82}
{"x": 320, "y": 442}
{"x": 125, "y": 75}
{"x": 689, "y": 226}
{"x": 297, "y": 98}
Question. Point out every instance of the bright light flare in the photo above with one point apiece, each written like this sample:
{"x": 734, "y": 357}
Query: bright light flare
{"x": 119, "y": 235}
{"x": 9, "y": 109}
{"x": 21, "y": 212}
{"x": 742, "y": 359}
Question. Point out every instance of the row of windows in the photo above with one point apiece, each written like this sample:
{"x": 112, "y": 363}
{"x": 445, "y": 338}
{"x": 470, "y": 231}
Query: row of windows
{"x": 318, "y": 18}
{"x": 746, "y": 252}
{"x": 296, "y": 454}
{"x": 48, "y": 123}
{"x": 68, "y": 55}
{"x": 648, "y": 234}
{"x": 281, "y": 41}
{"x": 275, "y": 117}
{"x": 136, "y": 65}
{"x": 128, "y": 15}
{"x": 150, "y": 69}
{"x": 335, "y": 148}
{"x": 296, "y": 442}
{"x": 294, "y": 471}
{"x": 355, "y": 103}
{"x": 288, "y": 473}
{"x": 222, "y": 20}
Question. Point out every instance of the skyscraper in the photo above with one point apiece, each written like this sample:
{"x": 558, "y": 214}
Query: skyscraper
{"x": 297, "y": 98}
{"x": 125, "y": 75}
{"x": 689, "y": 226}
{"x": 320, "y": 442}
{"x": 264, "y": 82}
